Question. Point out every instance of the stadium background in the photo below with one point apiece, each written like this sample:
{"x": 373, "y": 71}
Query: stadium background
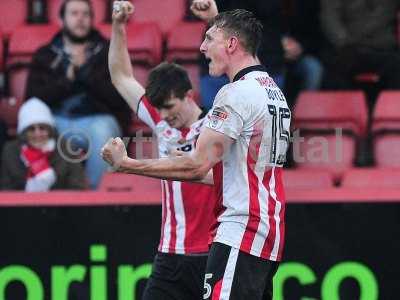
{"x": 342, "y": 219}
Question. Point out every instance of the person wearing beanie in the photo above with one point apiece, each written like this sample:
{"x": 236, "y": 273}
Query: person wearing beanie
{"x": 32, "y": 162}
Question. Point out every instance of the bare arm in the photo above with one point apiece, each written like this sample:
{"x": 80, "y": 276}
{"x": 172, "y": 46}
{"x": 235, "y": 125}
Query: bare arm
{"x": 210, "y": 148}
{"x": 119, "y": 62}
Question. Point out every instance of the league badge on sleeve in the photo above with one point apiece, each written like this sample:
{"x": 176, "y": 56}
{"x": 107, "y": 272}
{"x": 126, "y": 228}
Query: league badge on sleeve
{"x": 217, "y": 117}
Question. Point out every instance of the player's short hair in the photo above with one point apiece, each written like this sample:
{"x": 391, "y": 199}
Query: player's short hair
{"x": 242, "y": 24}
{"x": 167, "y": 80}
{"x": 63, "y": 7}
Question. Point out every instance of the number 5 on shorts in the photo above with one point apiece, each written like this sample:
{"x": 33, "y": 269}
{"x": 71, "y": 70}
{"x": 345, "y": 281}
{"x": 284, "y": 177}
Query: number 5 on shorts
{"x": 207, "y": 286}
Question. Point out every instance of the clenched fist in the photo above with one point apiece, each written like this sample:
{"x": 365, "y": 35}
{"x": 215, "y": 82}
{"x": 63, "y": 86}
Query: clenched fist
{"x": 114, "y": 152}
{"x": 122, "y": 10}
{"x": 204, "y": 9}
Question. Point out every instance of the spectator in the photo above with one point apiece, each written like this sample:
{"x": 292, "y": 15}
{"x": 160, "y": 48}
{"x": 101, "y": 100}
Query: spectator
{"x": 270, "y": 52}
{"x": 3, "y": 134}
{"x": 362, "y": 36}
{"x": 301, "y": 45}
{"x": 70, "y": 74}
{"x": 32, "y": 162}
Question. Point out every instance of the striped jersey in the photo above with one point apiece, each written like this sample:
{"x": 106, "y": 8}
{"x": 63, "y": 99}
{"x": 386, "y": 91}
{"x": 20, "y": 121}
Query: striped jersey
{"x": 187, "y": 208}
{"x": 253, "y": 112}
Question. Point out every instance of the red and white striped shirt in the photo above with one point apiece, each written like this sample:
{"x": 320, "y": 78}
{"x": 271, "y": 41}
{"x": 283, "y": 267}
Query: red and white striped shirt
{"x": 187, "y": 208}
{"x": 248, "y": 181}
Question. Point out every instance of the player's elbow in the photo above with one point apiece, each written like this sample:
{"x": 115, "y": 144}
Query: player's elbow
{"x": 114, "y": 79}
{"x": 117, "y": 81}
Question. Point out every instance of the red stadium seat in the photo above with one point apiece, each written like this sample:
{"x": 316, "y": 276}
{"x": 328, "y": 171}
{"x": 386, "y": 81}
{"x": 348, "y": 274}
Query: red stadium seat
{"x": 329, "y": 110}
{"x": 13, "y": 14}
{"x": 143, "y": 147}
{"x": 372, "y": 178}
{"x": 318, "y": 115}
{"x": 139, "y": 186}
{"x": 9, "y": 108}
{"x": 145, "y": 47}
{"x": 193, "y": 70}
{"x": 184, "y": 41}
{"x": 183, "y": 44}
{"x": 24, "y": 41}
{"x": 386, "y": 114}
{"x": 367, "y": 78}
{"x": 138, "y": 126}
{"x": 99, "y": 7}
{"x": 386, "y": 150}
{"x": 166, "y": 13}
{"x": 144, "y": 41}
{"x": 1, "y": 52}
{"x": 307, "y": 179}
{"x": 386, "y": 129}
{"x": 325, "y": 152}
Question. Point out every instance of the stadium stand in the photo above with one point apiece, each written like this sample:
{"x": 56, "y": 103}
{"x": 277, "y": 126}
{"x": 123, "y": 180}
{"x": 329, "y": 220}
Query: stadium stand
{"x": 138, "y": 125}
{"x": 384, "y": 178}
{"x": 135, "y": 184}
{"x": 165, "y": 13}
{"x": 146, "y": 147}
{"x": 183, "y": 45}
{"x": 13, "y": 14}
{"x": 24, "y": 41}
{"x": 386, "y": 129}
{"x": 9, "y": 107}
{"x": 144, "y": 44}
{"x": 318, "y": 115}
{"x": 367, "y": 78}
{"x": 2, "y": 42}
{"x": 307, "y": 179}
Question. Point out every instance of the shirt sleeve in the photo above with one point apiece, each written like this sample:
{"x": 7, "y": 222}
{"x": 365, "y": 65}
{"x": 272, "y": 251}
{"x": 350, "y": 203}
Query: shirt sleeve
{"x": 225, "y": 116}
{"x": 148, "y": 113}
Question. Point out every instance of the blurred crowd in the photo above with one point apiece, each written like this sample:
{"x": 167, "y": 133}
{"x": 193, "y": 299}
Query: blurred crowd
{"x": 307, "y": 45}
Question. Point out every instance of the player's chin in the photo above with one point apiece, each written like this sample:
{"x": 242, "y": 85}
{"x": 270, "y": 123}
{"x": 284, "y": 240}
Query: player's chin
{"x": 215, "y": 72}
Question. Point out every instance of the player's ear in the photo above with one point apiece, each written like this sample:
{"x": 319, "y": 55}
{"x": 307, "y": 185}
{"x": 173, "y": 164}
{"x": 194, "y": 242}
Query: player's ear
{"x": 233, "y": 43}
{"x": 190, "y": 95}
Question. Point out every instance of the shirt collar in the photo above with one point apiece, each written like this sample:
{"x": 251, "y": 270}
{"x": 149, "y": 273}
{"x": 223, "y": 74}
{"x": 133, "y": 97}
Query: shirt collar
{"x": 247, "y": 70}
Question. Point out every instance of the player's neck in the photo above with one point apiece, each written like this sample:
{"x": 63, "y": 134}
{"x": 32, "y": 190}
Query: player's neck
{"x": 240, "y": 63}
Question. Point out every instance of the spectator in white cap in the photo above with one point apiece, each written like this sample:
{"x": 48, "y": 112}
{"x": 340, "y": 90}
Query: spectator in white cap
{"x": 33, "y": 162}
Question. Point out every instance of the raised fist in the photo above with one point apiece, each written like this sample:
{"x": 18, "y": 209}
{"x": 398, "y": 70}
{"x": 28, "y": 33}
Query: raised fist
{"x": 122, "y": 10}
{"x": 204, "y": 9}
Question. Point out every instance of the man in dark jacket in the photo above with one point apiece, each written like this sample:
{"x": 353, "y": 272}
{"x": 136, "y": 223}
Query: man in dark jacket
{"x": 70, "y": 75}
{"x": 362, "y": 37}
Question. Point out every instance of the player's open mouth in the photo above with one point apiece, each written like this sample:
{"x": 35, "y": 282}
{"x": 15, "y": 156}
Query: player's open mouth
{"x": 208, "y": 60}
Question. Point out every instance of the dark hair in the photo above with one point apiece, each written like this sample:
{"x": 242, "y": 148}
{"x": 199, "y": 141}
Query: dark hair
{"x": 64, "y": 7}
{"x": 242, "y": 24}
{"x": 166, "y": 80}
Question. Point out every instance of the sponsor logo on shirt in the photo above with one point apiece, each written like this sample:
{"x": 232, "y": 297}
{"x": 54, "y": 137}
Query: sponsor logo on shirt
{"x": 217, "y": 117}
